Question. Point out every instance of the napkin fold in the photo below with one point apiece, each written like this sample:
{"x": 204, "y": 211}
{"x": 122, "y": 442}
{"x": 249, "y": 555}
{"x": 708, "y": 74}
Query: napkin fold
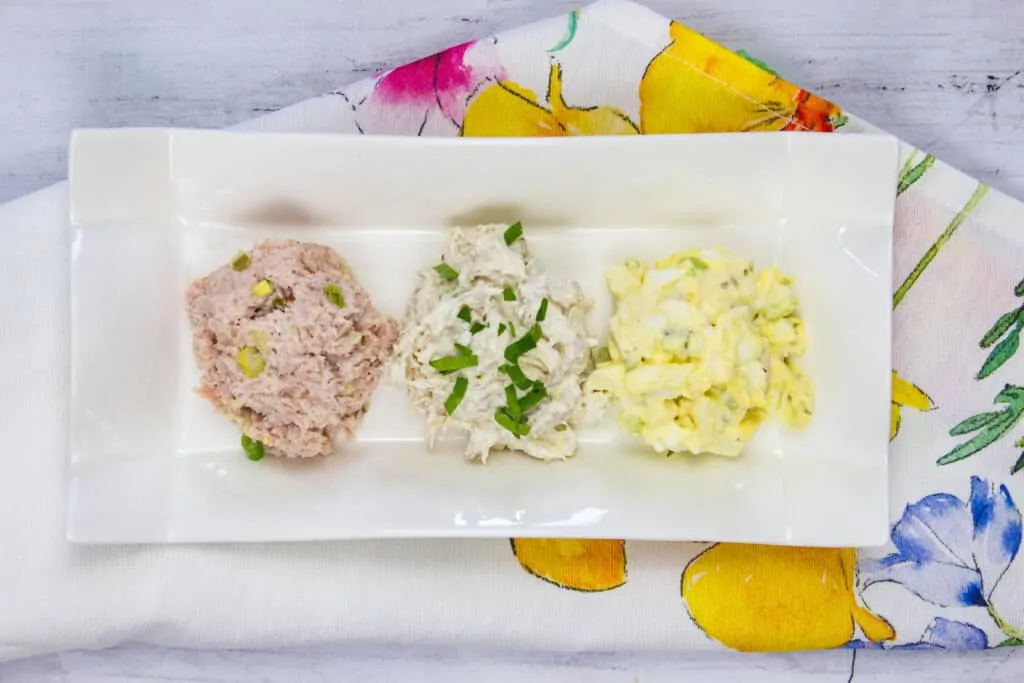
{"x": 949, "y": 579}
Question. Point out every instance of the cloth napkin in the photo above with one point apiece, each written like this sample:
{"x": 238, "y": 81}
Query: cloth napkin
{"x": 948, "y": 579}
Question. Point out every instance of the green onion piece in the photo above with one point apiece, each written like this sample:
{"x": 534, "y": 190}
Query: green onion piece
{"x": 513, "y": 403}
{"x": 505, "y": 420}
{"x": 465, "y": 314}
{"x": 450, "y": 364}
{"x": 241, "y": 262}
{"x": 527, "y": 342}
{"x": 446, "y": 272}
{"x": 334, "y": 295}
{"x": 533, "y": 397}
{"x": 501, "y": 328}
{"x": 253, "y": 448}
{"x": 512, "y": 328}
{"x": 699, "y": 264}
{"x": 463, "y": 350}
{"x": 514, "y": 232}
{"x": 477, "y": 327}
{"x": 542, "y": 312}
{"x": 458, "y": 393}
{"x": 517, "y": 376}
{"x": 508, "y": 294}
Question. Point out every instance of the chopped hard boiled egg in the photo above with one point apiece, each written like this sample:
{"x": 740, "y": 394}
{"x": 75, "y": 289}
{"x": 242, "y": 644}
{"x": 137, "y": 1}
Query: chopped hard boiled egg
{"x": 702, "y": 349}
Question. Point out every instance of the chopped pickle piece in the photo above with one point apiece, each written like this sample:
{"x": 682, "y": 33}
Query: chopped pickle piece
{"x": 263, "y": 288}
{"x": 334, "y": 295}
{"x": 251, "y": 361}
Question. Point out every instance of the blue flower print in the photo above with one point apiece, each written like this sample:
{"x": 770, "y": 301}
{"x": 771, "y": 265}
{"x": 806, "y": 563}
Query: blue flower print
{"x": 949, "y": 552}
{"x": 942, "y": 634}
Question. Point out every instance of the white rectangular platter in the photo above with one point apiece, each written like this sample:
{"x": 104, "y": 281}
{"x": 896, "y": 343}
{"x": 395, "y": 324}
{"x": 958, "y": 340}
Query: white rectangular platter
{"x": 151, "y": 210}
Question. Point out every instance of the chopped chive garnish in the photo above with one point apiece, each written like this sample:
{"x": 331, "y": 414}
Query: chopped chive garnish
{"x": 241, "y": 262}
{"x": 533, "y": 397}
{"x": 699, "y": 264}
{"x": 505, "y": 420}
{"x": 477, "y": 327}
{"x": 517, "y": 376}
{"x": 527, "y": 342}
{"x": 514, "y": 232}
{"x": 513, "y": 403}
{"x": 542, "y": 312}
{"x": 334, "y": 295}
{"x": 501, "y": 328}
{"x": 446, "y": 271}
{"x": 450, "y": 364}
{"x": 463, "y": 350}
{"x": 253, "y": 448}
{"x": 465, "y": 314}
{"x": 458, "y": 393}
{"x": 508, "y": 294}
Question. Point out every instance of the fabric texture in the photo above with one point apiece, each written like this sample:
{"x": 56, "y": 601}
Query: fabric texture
{"x": 950, "y": 578}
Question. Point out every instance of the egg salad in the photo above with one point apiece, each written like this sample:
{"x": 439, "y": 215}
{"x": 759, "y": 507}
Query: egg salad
{"x": 702, "y": 348}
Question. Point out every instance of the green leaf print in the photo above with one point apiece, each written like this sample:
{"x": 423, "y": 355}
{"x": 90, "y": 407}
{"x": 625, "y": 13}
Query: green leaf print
{"x": 1019, "y": 465}
{"x": 1003, "y": 352}
{"x": 911, "y": 174}
{"x": 570, "y": 31}
{"x": 991, "y": 427}
{"x": 1019, "y": 289}
{"x": 756, "y": 62}
{"x": 1000, "y": 328}
{"x": 1011, "y": 642}
{"x": 973, "y": 424}
{"x": 939, "y": 243}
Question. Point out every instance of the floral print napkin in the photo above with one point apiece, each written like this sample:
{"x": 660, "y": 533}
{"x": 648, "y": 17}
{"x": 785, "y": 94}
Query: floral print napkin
{"x": 948, "y": 579}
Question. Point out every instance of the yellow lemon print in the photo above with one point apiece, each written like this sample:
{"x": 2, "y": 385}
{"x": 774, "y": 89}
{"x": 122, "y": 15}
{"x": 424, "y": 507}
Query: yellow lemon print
{"x": 905, "y": 394}
{"x": 773, "y": 598}
{"x": 583, "y": 565}
{"x": 506, "y": 109}
{"x": 696, "y": 86}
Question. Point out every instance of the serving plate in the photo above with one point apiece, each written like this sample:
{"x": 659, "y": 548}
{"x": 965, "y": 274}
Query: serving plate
{"x": 153, "y": 209}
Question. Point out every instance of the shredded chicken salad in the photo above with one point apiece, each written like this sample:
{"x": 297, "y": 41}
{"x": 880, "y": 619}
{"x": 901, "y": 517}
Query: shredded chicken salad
{"x": 492, "y": 348}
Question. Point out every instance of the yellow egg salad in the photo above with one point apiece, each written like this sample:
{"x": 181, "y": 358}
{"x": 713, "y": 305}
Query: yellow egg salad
{"x": 702, "y": 348}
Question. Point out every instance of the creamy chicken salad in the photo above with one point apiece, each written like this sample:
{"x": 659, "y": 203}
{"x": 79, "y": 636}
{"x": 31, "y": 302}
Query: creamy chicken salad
{"x": 491, "y": 347}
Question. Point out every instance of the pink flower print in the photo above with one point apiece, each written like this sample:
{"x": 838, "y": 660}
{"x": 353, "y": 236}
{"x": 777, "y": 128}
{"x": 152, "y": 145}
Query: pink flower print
{"x": 429, "y": 96}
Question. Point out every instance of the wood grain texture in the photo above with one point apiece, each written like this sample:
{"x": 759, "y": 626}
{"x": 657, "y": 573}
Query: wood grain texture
{"x": 945, "y": 75}
{"x": 947, "y": 78}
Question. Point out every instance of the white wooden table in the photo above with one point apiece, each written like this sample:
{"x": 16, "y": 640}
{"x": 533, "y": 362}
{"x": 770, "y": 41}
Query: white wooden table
{"x": 945, "y": 75}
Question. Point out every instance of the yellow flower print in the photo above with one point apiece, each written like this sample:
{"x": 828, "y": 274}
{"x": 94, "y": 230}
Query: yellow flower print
{"x": 505, "y": 109}
{"x": 774, "y": 598}
{"x": 583, "y": 565}
{"x": 696, "y": 86}
{"x": 905, "y": 394}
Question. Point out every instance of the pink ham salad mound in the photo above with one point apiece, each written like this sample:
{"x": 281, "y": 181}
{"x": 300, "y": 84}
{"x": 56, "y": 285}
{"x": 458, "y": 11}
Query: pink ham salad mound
{"x": 289, "y": 344}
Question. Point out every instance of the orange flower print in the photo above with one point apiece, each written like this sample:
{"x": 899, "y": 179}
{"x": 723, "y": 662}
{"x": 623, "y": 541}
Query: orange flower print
{"x": 905, "y": 395}
{"x": 506, "y": 109}
{"x": 773, "y": 598}
{"x": 583, "y": 565}
{"x": 696, "y": 86}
